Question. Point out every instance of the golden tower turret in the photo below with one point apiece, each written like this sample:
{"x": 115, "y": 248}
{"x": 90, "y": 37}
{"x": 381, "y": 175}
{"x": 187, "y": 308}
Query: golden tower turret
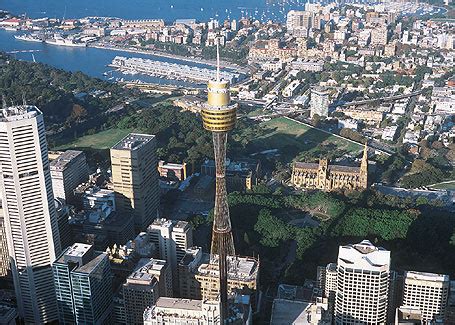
{"x": 219, "y": 115}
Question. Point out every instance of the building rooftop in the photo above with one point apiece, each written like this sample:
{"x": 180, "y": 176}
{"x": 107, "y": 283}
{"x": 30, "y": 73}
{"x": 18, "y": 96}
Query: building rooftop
{"x": 179, "y": 303}
{"x": 133, "y": 141}
{"x": 16, "y": 113}
{"x": 287, "y": 312}
{"x": 334, "y": 168}
{"x": 92, "y": 264}
{"x": 64, "y": 159}
{"x": 407, "y": 315}
{"x": 150, "y": 265}
{"x": 78, "y": 250}
{"x": 82, "y": 256}
{"x": 239, "y": 268}
{"x": 423, "y": 276}
{"x": 364, "y": 256}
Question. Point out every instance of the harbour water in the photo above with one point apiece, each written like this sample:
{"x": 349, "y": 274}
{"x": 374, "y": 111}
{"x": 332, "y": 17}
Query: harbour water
{"x": 164, "y": 9}
{"x": 94, "y": 61}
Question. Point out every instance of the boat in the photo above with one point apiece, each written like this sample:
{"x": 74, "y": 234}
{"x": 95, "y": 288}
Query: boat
{"x": 65, "y": 42}
{"x": 28, "y": 38}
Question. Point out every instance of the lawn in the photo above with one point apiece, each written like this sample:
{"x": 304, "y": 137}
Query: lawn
{"x": 100, "y": 140}
{"x": 297, "y": 140}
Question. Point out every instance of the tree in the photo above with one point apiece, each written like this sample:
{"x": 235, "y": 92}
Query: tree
{"x": 273, "y": 231}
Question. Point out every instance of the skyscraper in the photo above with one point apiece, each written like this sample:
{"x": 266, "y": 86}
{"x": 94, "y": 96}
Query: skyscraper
{"x": 219, "y": 117}
{"x": 83, "y": 285}
{"x": 28, "y": 203}
{"x": 363, "y": 284}
{"x": 143, "y": 287}
{"x": 428, "y": 292}
{"x": 172, "y": 238}
{"x": 135, "y": 178}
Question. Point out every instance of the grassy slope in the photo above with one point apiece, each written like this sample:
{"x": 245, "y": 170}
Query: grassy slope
{"x": 100, "y": 140}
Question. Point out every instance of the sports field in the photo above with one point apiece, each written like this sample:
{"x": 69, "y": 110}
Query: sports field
{"x": 292, "y": 139}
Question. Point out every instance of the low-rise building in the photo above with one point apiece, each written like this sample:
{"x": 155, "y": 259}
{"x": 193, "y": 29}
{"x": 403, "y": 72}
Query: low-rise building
{"x": 241, "y": 174}
{"x": 172, "y": 170}
{"x": 68, "y": 170}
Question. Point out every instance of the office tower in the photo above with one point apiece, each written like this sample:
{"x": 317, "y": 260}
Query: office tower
{"x": 139, "y": 292}
{"x": 428, "y": 292}
{"x": 83, "y": 284}
{"x": 319, "y": 103}
{"x": 172, "y": 238}
{"x": 161, "y": 270}
{"x": 135, "y": 178}
{"x": 29, "y": 212}
{"x": 329, "y": 282}
{"x": 219, "y": 117}
{"x": 198, "y": 276}
{"x": 4, "y": 256}
{"x": 363, "y": 284}
{"x": 189, "y": 286}
{"x": 64, "y": 228}
{"x": 8, "y": 315}
{"x": 68, "y": 170}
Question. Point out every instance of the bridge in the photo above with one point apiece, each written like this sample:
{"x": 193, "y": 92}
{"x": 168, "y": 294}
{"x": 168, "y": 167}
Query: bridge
{"x": 382, "y": 99}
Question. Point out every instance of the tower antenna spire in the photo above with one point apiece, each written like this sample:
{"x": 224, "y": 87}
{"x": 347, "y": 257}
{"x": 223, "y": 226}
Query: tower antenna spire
{"x": 218, "y": 60}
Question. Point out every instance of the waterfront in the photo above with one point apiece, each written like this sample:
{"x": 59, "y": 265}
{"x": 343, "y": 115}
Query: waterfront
{"x": 92, "y": 61}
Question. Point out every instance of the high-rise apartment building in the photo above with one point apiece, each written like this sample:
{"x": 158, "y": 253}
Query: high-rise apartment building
{"x": 363, "y": 284}
{"x": 428, "y": 292}
{"x": 171, "y": 238}
{"x": 68, "y": 170}
{"x": 135, "y": 177}
{"x": 299, "y": 23}
{"x": 379, "y": 36}
{"x": 29, "y": 213}
{"x": 319, "y": 103}
{"x": 83, "y": 285}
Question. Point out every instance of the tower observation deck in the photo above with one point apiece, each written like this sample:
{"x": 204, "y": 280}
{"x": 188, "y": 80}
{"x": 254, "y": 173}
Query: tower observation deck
{"x": 219, "y": 117}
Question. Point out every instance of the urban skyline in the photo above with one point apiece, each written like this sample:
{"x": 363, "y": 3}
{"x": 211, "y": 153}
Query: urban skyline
{"x": 233, "y": 170}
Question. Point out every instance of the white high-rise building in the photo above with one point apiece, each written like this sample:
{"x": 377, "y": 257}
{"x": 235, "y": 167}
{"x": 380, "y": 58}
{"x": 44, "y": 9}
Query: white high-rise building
{"x": 29, "y": 211}
{"x": 428, "y": 292}
{"x": 172, "y": 238}
{"x": 363, "y": 284}
{"x": 319, "y": 103}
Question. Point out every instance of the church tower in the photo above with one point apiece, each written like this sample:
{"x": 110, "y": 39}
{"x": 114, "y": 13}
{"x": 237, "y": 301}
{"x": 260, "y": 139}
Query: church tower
{"x": 364, "y": 168}
{"x": 322, "y": 173}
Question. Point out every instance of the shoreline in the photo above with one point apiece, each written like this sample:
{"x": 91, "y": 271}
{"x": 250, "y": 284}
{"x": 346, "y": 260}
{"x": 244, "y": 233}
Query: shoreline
{"x": 211, "y": 63}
